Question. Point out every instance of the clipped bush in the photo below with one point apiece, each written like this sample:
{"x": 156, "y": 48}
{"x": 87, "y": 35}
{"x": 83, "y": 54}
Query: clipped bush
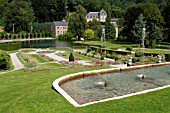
{"x": 71, "y": 57}
{"x": 129, "y": 49}
{"x": 134, "y": 60}
{"x": 138, "y": 54}
{"x": 102, "y": 57}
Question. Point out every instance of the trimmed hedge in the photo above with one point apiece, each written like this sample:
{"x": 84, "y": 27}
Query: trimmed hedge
{"x": 10, "y": 46}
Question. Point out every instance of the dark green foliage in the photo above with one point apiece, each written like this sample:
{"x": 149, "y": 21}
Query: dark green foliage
{"x": 4, "y": 60}
{"x": 42, "y": 27}
{"x": 10, "y": 46}
{"x": 138, "y": 29}
{"x": 18, "y": 14}
{"x": 138, "y": 54}
{"x": 129, "y": 48}
{"x": 115, "y": 57}
{"x": 109, "y": 28}
{"x": 71, "y": 57}
{"x": 134, "y": 60}
{"x": 77, "y": 22}
{"x": 155, "y": 33}
{"x": 167, "y": 57}
{"x": 150, "y": 11}
{"x": 102, "y": 57}
{"x": 153, "y": 43}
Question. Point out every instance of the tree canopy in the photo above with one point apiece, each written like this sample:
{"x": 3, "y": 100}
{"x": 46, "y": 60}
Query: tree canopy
{"x": 18, "y": 16}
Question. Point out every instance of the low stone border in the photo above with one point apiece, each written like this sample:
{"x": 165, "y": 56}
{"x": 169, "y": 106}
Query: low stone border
{"x": 58, "y": 82}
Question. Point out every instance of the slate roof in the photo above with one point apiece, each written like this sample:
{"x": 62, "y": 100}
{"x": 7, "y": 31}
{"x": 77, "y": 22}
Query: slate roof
{"x": 103, "y": 12}
{"x": 60, "y": 23}
{"x": 92, "y": 15}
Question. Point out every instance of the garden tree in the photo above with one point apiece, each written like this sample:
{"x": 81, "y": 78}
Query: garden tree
{"x": 4, "y": 60}
{"x": 138, "y": 29}
{"x": 155, "y": 33}
{"x": 3, "y": 4}
{"x": 89, "y": 34}
{"x": 96, "y": 27}
{"x": 109, "y": 27}
{"x": 41, "y": 10}
{"x": 92, "y": 5}
{"x": 71, "y": 5}
{"x": 151, "y": 13}
{"x": 18, "y": 14}
{"x": 57, "y": 9}
{"x": 116, "y": 11}
{"x": 66, "y": 36}
{"x": 77, "y": 23}
{"x": 166, "y": 14}
{"x": 71, "y": 57}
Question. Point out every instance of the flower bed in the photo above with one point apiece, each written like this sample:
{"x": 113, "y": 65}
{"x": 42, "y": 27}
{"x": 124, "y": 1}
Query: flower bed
{"x": 28, "y": 61}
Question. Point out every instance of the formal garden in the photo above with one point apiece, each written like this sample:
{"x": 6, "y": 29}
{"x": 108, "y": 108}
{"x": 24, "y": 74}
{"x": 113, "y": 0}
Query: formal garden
{"x": 29, "y": 68}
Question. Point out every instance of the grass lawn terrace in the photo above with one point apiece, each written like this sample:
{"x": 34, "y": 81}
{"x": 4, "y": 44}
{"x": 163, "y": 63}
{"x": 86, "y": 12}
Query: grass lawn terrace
{"x": 31, "y": 92}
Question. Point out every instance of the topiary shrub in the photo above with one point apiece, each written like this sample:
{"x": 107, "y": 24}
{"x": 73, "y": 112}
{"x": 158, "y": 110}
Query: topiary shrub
{"x": 102, "y": 57}
{"x": 71, "y": 57}
{"x": 167, "y": 57}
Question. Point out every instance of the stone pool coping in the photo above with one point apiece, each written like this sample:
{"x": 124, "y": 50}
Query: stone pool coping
{"x": 56, "y": 84}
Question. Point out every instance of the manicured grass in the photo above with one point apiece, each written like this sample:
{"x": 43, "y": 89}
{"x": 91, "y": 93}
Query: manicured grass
{"x": 124, "y": 45}
{"x": 38, "y": 58}
{"x": 31, "y": 92}
{"x": 114, "y": 45}
{"x": 81, "y": 57}
{"x": 159, "y": 51}
{"x": 50, "y": 65}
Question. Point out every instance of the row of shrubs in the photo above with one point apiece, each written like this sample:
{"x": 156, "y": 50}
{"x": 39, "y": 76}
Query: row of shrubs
{"x": 4, "y": 60}
{"x": 25, "y": 35}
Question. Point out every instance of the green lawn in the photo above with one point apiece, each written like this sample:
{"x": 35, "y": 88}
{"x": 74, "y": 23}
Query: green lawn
{"x": 31, "y": 92}
{"x": 165, "y": 47}
{"x": 81, "y": 57}
{"x": 109, "y": 44}
{"x": 50, "y": 65}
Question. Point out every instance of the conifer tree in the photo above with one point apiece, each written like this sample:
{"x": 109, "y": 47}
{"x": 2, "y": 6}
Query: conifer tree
{"x": 138, "y": 29}
{"x": 109, "y": 27}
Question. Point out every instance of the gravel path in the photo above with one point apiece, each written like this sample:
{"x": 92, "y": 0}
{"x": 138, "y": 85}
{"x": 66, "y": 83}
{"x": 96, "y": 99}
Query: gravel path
{"x": 16, "y": 62}
{"x": 58, "y": 58}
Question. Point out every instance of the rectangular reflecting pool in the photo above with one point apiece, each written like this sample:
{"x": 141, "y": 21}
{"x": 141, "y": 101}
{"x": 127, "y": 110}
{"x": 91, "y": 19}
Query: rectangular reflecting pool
{"x": 103, "y": 86}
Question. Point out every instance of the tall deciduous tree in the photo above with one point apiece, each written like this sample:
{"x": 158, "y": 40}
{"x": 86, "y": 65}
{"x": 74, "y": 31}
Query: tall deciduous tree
{"x": 96, "y": 27}
{"x": 18, "y": 15}
{"x": 166, "y": 14}
{"x": 150, "y": 11}
{"x": 41, "y": 10}
{"x": 89, "y": 34}
{"x": 57, "y": 9}
{"x": 138, "y": 29}
{"x": 78, "y": 23}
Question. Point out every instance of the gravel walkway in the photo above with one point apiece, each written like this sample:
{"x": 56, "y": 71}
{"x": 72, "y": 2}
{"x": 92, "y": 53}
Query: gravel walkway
{"x": 16, "y": 62}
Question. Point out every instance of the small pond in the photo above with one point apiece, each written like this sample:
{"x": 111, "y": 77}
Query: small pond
{"x": 99, "y": 87}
